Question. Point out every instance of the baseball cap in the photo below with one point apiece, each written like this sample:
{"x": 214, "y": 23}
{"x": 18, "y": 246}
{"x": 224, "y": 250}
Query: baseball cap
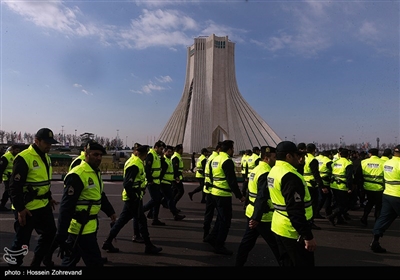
{"x": 287, "y": 147}
{"x": 46, "y": 135}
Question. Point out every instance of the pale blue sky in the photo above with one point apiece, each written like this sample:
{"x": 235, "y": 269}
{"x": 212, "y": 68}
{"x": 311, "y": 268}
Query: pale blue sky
{"x": 316, "y": 71}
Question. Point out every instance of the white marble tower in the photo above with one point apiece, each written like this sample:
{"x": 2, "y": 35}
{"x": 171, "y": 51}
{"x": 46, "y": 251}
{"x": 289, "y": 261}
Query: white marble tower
{"x": 211, "y": 108}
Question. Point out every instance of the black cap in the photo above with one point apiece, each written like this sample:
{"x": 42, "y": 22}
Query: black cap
{"x": 268, "y": 149}
{"x": 178, "y": 147}
{"x": 287, "y": 147}
{"x": 387, "y": 152}
{"x": 136, "y": 146}
{"x": 204, "y": 150}
{"x": 46, "y": 135}
{"x": 311, "y": 147}
{"x": 397, "y": 149}
{"x": 93, "y": 145}
{"x": 255, "y": 149}
{"x": 344, "y": 152}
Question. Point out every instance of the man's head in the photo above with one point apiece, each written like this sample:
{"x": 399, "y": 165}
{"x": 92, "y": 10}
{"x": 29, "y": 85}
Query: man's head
{"x": 168, "y": 151}
{"x": 179, "y": 148}
{"x": 218, "y": 147}
{"x": 268, "y": 154}
{"x": 387, "y": 153}
{"x": 15, "y": 149}
{"x": 159, "y": 147}
{"x": 287, "y": 151}
{"x": 44, "y": 138}
{"x": 344, "y": 153}
{"x": 141, "y": 151}
{"x": 94, "y": 154}
{"x": 256, "y": 150}
{"x": 311, "y": 148}
{"x": 396, "y": 151}
{"x": 204, "y": 151}
{"x": 227, "y": 147}
{"x": 373, "y": 152}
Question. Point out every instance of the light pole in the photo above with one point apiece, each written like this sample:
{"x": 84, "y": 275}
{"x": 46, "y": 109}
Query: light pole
{"x": 126, "y": 141}
{"x": 62, "y": 134}
{"x": 76, "y": 140}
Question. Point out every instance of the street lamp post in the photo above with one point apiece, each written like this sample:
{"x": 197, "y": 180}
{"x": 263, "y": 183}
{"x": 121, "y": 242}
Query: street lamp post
{"x": 126, "y": 141}
{"x": 62, "y": 134}
{"x": 76, "y": 140}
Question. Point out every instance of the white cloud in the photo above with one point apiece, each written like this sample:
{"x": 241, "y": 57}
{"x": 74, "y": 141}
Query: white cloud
{"x": 86, "y": 92}
{"x": 77, "y": 85}
{"x": 164, "y": 79}
{"x": 150, "y": 87}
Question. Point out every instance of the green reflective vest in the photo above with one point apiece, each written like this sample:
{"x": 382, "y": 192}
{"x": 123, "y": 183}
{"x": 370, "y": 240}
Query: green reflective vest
{"x": 207, "y": 173}
{"x": 199, "y": 166}
{"x": 38, "y": 177}
{"x": 10, "y": 161}
{"x": 391, "y": 173}
{"x": 281, "y": 223}
{"x": 259, "y": 170}
{"x": 307, "y": 174}
{"x": 220, "y": 184}
{"x": 324, "y": 171}
{"x": 140, "y": 179}
{"x": 180, "y": 169}
{"x": 251, "y": 162}
{"x": 155, "y": 167}
{"x": 168, "y": 177}
{"x": 90, "y": 195}
{"x": 339, "y": 179}
{"x": 372, "y": 171}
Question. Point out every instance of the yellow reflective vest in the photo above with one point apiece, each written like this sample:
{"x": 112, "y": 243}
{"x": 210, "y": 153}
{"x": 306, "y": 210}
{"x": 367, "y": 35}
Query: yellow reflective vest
{"x": 207, "y": 180}
{"x": 372, "y": 171}
{"x": 220, "y": 184}
{"x": 155, "y": 167}
{"x": 140, "y": 179}
{"x": 199, "y": 166}
{"x": 339, "y": 180}
{"x": 259, "y": 170}
{"x": 10, "y": 161}
{"x": 281, "y": 223}
{"x": 38, "y": 178}
{"x": 90, "y": 198}
{"x": 391, "y": 173}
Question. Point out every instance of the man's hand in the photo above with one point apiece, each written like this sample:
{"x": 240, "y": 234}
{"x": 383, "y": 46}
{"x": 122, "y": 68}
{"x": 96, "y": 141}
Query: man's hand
{"x": 113, "y": 218}
{"x": 65, "y": 248}
{"x": 310, "y": 245}
{"x": 242, "y": 199}
{"x": 22, "y": 216}
{"x": 53, "y": 203}
{"x": 253, "y": 224}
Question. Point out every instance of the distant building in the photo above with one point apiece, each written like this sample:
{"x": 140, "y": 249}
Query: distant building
{"x": 211, "y": 108}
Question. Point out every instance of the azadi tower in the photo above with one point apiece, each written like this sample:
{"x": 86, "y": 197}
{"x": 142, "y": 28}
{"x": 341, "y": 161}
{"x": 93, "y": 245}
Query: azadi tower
{"x": 211, "y": 108}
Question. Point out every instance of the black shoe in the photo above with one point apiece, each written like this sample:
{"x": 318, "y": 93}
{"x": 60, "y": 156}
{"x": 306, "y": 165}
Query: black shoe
{"x": 331, "y": 220}
{"x": 319, "y": 216}
{"x": 346, "y": 216}
{"x": 190, "y": 196}
{"x": 157, "y": 223}
{"x": 364, "y": 221}
{"x": 223, "y": 251}
{"x": 314, "y": 226}
{"x": 150, "y": 215}
{"x": 341, "y": 222}
{"x": 209, "y": 239}
{"x": 178, "y": 217}
{"x": 137, "y": 239}
{"x": 376, "y": 247}
{"x": 4, "y": 209}
{"x": 151, "y": 250}
{"x": 109, "y": 248}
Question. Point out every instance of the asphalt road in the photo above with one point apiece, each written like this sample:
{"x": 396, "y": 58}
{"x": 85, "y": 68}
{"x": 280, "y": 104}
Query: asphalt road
{"x": 339, "y": 247}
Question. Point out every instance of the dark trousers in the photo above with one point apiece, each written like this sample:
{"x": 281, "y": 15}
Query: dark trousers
{"x": 314, "y": 199}
{"x": 223, "y": 205}
{"x": 208, "y": 214}
{"x": 42, "y": 221}
{"x": 86, "y": 247}
{"x": 249, "y": 240}
{"x": 293, "y": 252}
{"x": 200, "y": 188}
{"x": 389, "y": 212}
{"x": 324, "y": 201}
{"x": 342, "y": 199}
{"x": 5, "y": 195}
{"x": 131, "y": 209}
{"x": 373, "y": 198}
{"x": 166, "y": 191}
{"x": 155, "y": 200}
{"x": 178, "y": 191}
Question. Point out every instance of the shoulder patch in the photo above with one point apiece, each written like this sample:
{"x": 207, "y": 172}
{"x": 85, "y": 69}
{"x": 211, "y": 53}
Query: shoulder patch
{"x": 70, "y": 190}
{"x": 35, "y": 164}
{"x": 297, "y": 197}
{"x": 17, "y": 177}
{"x": 90, "y": 181}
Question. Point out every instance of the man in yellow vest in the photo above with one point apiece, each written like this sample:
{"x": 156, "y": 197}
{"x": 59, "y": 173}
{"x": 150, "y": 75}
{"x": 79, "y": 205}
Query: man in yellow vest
{"x": 177, "y": 163}
{"x": 30, "y": 194}
{"x": 224, "y": 184}
{"x": 341, "y": 186}
{"x": 387, "y": 154}
{"x": 390, "y": 200}
{"x": 369, "y": 177}
{"x": 210, "y": 206}
{"x": 291, "y": 221}
{"x": 200, "y": 166}
{"x": 259, "y": 210}
{"x": 6, "y": 166}
{"x": 83, "y": 198}
{"x": 76, "y": 161}
{"x": 134, "y": 186}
